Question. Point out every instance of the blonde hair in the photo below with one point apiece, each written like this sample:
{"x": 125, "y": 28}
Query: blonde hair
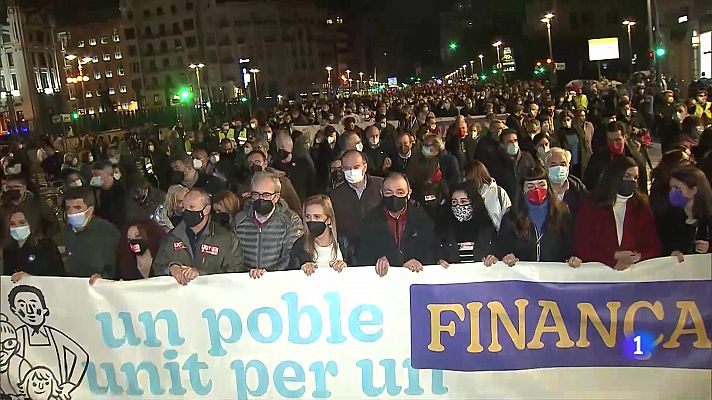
{"x": 171, "y": 196}
{"x": 436, "y": 140}
{"x": 229, "y": 200}
{"x": 328, "y": 208}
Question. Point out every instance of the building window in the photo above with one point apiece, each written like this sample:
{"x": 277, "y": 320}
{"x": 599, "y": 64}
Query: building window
{"x": 72, "y": 96}
{"x": 2, "y": 82}
{"x": 177, "y": 43}
{"x": 117, "y": 54}
{"x": 159, "y": 11}
{"x": 108, "y": 73}
{"x": 120, "y": 71}
{"x": 88, "y": 94}
{"x": 10, "y": 60}
{"x": 130, "y": 33}
{"x": 190, "y": 42}
{"x": 164, "y": 46}
{"x": 104, "y": 39}
{"x": 188, "y": 5}
{"x": 135, "y": 68}
{"x": 188, "y": 24}
{"x": 132, "y": 51}
{"x": 147, "y": 13}
{"x": 13, "y": 78}
{"x": 95, "y": 58}
{"x": 176, "y": 28}
{"x": 92, "y": 111}
{"x": 122, "y": 88}
{"x": 92, "y": 42}
{"x": 116, "y": 36}
{"x": 156, "y": 98}
{"x": 80, "y": 43}
{"x": 161, "y": 30}
{"x": 97, "y": 75}
{"x": 129, "y": 15}
{"x": 174, "y": 9}
{"x": 210, "y": 40}
{"x": 107, "y": 57}
{"x": 112, "y": 91}
{"x": 165, "y": 63}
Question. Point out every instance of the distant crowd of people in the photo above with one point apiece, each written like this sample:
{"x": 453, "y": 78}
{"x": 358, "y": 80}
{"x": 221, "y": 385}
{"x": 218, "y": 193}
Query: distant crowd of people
{"x": 564, "y": 178}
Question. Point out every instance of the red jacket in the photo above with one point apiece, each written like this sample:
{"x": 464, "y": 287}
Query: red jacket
{"x": 596, "y": 237}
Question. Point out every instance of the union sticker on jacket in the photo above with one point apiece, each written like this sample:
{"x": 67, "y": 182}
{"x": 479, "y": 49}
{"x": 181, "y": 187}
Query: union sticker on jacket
{"x": 467, "y": 246}
{"x": 178, "y": 246}
{"x": 212, "y": 250}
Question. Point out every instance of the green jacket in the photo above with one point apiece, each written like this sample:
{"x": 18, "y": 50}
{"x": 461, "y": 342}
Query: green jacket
{"x": 217, "y": 251}
{"x": 92, "y": 250}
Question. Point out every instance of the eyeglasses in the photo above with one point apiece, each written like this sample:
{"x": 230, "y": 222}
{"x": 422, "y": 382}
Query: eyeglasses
{"x": 263, "y": 196}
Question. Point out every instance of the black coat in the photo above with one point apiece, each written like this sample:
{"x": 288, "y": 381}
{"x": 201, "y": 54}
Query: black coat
{"x": 602, "y": 157}
{"x": 211, "y": 184}
{"x": 452, "y": 233}
{"x": 111, "y": 204}
{"x": 577, "y": 192}
{"x": 418, "y": 241}
{"x": 677, "y": 235}
{"x": 298, "y": 256}
{"x": 41, "y": 259}
{"x": 302, "y": 175}
{"x": 498, "y": 163}
{"x": 554, "y": 247}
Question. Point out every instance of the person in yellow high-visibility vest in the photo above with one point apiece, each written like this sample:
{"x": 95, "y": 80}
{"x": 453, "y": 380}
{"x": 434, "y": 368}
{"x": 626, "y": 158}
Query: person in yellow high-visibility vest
{"x": 703, "y": 109}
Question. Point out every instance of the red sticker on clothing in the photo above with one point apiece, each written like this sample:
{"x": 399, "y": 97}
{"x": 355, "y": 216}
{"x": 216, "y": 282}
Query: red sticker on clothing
{"x": 212, "y": 250}
{"x": 178, "y": 246}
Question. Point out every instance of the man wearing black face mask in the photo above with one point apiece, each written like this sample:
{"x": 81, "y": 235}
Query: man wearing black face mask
{"x": 142, "y": 200}
{"x": 184, "y": 173}
{"x": 399, "y": 233}
{"x": 15, "y": 193}
{"x": 266, "y": 228}
{"x": 198, "y": 245}
{"x": 299, "y": 170}
{"x": 255, "y": 163}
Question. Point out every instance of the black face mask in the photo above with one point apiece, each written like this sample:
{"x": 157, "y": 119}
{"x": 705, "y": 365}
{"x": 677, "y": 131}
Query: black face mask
{"x": 12, "y": 195}
{"x": 138, "y": 246}
{"x": 226, "y": 155}
{"x": 193, "y": 218}
{"x": 337, "y": 177}
{"x": 140, "y": 195}
{"x": 263, "y": 207}
{"x": 282, "y": 154}
{"x": 395, "y": 203}
{"x": 222, "y": 218}
{"x": 316, "y": 228}
{"x": 177, "y": 177}
{"x": 255, "y": 168}
{"x": 626, "y": 187}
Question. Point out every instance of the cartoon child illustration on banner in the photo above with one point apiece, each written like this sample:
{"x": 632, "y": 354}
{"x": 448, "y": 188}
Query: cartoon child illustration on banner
{"x": 50, "y": 363}
{"x": 12, "y": 366}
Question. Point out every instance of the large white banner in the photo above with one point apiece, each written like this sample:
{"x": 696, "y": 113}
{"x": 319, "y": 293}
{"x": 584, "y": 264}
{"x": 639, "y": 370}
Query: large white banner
{"x": 352, "y": 335}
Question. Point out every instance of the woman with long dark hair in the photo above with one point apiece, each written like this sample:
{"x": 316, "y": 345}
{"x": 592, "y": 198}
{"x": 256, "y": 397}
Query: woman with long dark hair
{"x": 616, "y": 225}
{"x": 136, "y": 250}
{"x": 686, "y": 227}
{"x": 464, "y": 227}
{"x": 538, "y": 227}
{"x": 26, "y": 251}
{"x": 660, "y": 186}
{"x": 320, "y": 246}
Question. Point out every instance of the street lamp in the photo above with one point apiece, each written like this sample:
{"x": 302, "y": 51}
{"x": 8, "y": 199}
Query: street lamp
{"x": 328, "y": 73}
{"x": 348, "y": 78}
{"x": 254, "y": 72}
{"x": 482, "y": 63}
{"x": 629, "y": 25}
{"x": 472, "y": 67}
{"x": 197, "y": 68}
{"x": 547, "y": 20}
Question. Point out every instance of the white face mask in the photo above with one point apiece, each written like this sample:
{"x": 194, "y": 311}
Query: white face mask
{"x": 513, "y": 149}
{"x": 151, "y": 148}
{"x": 197, "y": 163}
{"x": 253, "y": 126}
{"x": 20, "y": 233}
{"x": 331, "y": 139}
{"x": 117, "y": 175}
{"x": 77, "y": 183}
{"x": 96, "y": 182}
{"x": 567, "y": 124}
{"x": 374, "y": 141}
{"x": 353, "y": 176}
{"x": 214, "y": 159}
{"x": 627, "y": 112}
{"x": 91, "y": 159}
{"x": 359, "y": 147}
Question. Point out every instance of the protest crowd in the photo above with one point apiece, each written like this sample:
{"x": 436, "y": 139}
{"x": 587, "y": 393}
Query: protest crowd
{"x": 433, "y": 174}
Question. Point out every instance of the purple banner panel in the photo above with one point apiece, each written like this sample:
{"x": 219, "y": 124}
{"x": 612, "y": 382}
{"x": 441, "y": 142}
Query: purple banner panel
{"x": 512, "y": 325}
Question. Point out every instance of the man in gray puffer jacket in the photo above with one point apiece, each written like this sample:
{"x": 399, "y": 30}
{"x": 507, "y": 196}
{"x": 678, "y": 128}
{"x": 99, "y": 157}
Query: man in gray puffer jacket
{"x": 267, "y": 228}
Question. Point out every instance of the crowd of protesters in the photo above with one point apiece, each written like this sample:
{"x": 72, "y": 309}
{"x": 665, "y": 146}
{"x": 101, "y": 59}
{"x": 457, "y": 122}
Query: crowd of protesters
{"x": 534, "y": 176}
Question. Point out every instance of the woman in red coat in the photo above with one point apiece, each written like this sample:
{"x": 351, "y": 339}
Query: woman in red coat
{"x": 616, "y": 225}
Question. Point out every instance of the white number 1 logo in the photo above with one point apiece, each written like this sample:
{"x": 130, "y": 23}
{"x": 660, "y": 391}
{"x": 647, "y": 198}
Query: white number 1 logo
{"x": 638, "y": 351}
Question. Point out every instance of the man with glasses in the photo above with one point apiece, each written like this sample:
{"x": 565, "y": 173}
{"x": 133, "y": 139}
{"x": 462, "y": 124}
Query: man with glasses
{"x": 198, "y": 245}
{"x": 356, "y": 197}
{"x": 267, "y": 228}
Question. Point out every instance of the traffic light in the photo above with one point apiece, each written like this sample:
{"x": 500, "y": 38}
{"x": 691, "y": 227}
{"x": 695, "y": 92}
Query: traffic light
{"x": 650, "y": 55}
{"x": 75, "y": 115}
{"x": 184, "y": 94}
{"x": 452, "y": 46}
{"x": 243, "y": 99}
{"x": 494, "y": 71}
{"x": 484, "y": 76}
{"x": 660, "y": 51}
{"x": 538, "y": 64}
{"x": 549, "y": 60}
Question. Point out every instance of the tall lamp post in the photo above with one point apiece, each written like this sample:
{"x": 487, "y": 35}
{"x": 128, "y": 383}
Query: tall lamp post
{"x": 472, "y": 67}
{"x": 482, "y": 63}
{"x": 547, "y": 20}
{"x": 81, "y": 78}
{"x": 197, "y": 68}
{"x": 254, "y": 72}
{"x": 328, "y": 77}
{"x": 629, "y": 27}
{"x": 496, "y": 45}
{"x": 348, "y": 78}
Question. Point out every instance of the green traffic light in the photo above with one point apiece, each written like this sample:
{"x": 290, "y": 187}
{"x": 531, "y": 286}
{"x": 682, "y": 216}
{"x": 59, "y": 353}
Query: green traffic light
{"x": 243, "y": 99}
{"x": 75, "y": 115}
{"x": 484, "y": 76}
{"x": 660, "y": 52}
{"x": 453, "y": 45}
{"x": 494, "y": 71}
{"x": 541, "y": 70}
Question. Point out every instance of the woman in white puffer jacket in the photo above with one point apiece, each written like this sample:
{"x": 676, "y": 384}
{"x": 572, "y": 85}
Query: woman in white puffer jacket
{"x": 496, "y": 199}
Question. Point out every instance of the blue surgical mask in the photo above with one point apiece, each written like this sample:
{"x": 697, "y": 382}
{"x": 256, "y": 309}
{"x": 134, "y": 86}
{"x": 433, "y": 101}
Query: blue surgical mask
{"x": 77, "y": 220}
{"x": 20, "y": 233}
{"x": 558, "y": 174}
